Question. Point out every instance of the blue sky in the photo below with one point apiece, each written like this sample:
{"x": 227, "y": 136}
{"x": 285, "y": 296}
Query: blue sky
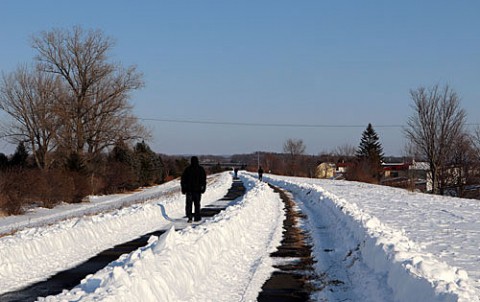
{"x": 342, "y": 64}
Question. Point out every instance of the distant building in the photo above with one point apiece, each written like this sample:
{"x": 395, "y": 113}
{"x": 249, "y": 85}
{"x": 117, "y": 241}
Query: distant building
{"x": 405, "y": 174}
{"x": 342, "y": 167}
{"x": 394, "y": 170}
{"x": 395, "y": 174}
{"x": 420, "y": 173}
{"x": 325, "y": 170}
{"x": 413, "y": 175}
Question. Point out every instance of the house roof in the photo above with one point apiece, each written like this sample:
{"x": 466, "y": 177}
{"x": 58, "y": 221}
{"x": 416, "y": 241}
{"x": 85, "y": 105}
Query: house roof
{"x": 420, "y": 165}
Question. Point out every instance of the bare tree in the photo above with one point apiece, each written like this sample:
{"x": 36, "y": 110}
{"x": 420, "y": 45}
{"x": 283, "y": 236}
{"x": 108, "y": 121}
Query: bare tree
{"x": 94, "y": 107}
{"x": 295, "y": 149}
{"x": 476, "y": 143}
{"x": 435, "y": 126}
{"x": 345, "y": 151}
{"x": 29, "y": 98}
{"x": 473, "y": 172}
{"x": 461, "y": 168}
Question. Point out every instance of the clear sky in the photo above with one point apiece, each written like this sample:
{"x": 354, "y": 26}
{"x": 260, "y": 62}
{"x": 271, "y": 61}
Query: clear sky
{"x": 264, "y": 65}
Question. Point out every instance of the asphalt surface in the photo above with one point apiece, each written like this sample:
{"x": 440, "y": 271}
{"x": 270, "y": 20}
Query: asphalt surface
{"x": 292, "y": 279}
{"x": 290, "y": 282}
{"x": 70, "y": 278}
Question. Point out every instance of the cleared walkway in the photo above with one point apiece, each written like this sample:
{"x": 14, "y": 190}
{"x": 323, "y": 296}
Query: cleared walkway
{"x": 72, "y": 277}
{"x": 291, "y": 282}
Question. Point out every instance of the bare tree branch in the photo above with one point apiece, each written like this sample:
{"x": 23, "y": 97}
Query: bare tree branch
{"x": 94, "y": 108}
{"x": 294, "y": 148}
{"x": 29, "y": 99}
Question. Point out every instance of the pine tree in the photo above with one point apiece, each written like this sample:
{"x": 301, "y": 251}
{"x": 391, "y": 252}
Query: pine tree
{"x": 370, "y": 152}
{"x": 19, "y": 158}
{"x": 121, "y": 153}
{"x": 3, "y": 161}
{"x": 121, "y": 173}
{"x": 149, "y": 164}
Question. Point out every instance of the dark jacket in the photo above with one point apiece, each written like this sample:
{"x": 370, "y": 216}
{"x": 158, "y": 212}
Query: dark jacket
{"x": 194, "y": 178}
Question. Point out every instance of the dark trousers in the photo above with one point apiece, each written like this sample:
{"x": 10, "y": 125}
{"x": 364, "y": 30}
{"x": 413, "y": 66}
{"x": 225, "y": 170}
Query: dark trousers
{"x": 193, "y": 199}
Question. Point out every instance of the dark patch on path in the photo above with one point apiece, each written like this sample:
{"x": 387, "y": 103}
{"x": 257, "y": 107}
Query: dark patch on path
{"x": 291, "y": 281}
{"x": 70, "y": 278}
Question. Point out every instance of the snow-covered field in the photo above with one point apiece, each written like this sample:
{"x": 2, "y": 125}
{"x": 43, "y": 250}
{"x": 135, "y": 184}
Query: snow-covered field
{"x": 421, "y": 247}
{"x": 371, "y": 243}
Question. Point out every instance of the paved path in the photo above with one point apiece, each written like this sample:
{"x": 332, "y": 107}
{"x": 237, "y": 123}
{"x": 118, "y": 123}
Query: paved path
{"x": 289, "y": 283}
{"x": 72, "y": 277}
{"x": 292, "y": 280}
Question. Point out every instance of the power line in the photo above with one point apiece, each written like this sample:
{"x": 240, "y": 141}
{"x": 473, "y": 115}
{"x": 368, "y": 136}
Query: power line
{"x": 224, "y": 123}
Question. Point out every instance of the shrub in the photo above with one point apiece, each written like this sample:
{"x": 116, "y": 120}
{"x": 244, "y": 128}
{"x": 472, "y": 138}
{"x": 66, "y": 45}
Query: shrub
{"x": 12, "y": 192}
{"x": 120, "y": 177}
{"x": 53, "y": 187}
{"x": 363, "y": 172}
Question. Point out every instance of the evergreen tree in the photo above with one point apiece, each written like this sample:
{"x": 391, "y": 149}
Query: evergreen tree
{"x": 370, "y": 152}
{"x": 121, "y": 173}
{"x": 75, "y": 163}
{"x": 149, "y": 165}
{"x": 122, "y": 153}
{"x": 19, "y": 158}
{"x": 3, "y": 161}
{"x": 180, "y": 165}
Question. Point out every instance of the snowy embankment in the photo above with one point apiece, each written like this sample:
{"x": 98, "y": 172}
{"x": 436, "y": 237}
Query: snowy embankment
{"x": 59, "y": 242}
{"x": 371, "y": 243}
{"x": 37, "y": 217}
{"x": 224, "y": 259}
{"x": 423, "y": 246}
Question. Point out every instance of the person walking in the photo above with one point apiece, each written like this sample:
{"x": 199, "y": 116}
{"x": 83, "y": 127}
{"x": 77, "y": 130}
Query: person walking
{"x": 260, "y": 173}
{"x": 194, "y": 184}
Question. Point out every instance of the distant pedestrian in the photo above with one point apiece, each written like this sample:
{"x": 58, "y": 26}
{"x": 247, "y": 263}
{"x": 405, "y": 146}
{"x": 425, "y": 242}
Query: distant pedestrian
{"x": 235, "y": 171}
{"x": 194, "y": 184}
{"x": 260, "y": 173}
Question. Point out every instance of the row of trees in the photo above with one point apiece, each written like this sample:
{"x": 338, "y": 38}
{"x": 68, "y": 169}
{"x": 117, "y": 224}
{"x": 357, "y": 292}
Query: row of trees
{"x": 70, "y": 115}
{"x": 437, "y": 134}
{"x": 71, "y": 119}
{"x": 121, "y": 169}
{"x": 72, "y": 102}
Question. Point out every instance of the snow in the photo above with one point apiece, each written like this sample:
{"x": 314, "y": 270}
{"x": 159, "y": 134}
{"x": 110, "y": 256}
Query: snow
{"x": 425, "y": 247}
{"x": 210, "y": 260}
{"x": 371, "y": 243}
{"x": 54, "y": 247}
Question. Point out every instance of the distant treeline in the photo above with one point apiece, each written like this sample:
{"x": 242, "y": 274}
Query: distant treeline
{"x": 124, "y": 168}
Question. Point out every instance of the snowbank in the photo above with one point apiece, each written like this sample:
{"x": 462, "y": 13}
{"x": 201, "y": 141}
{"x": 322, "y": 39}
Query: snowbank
{"x": 33, "y": 254}
{"x": 224, "y": 259}
{"x": 373, "y": 243}
{"x": 412, "y": 273}
{"x": 38, "y": 217}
